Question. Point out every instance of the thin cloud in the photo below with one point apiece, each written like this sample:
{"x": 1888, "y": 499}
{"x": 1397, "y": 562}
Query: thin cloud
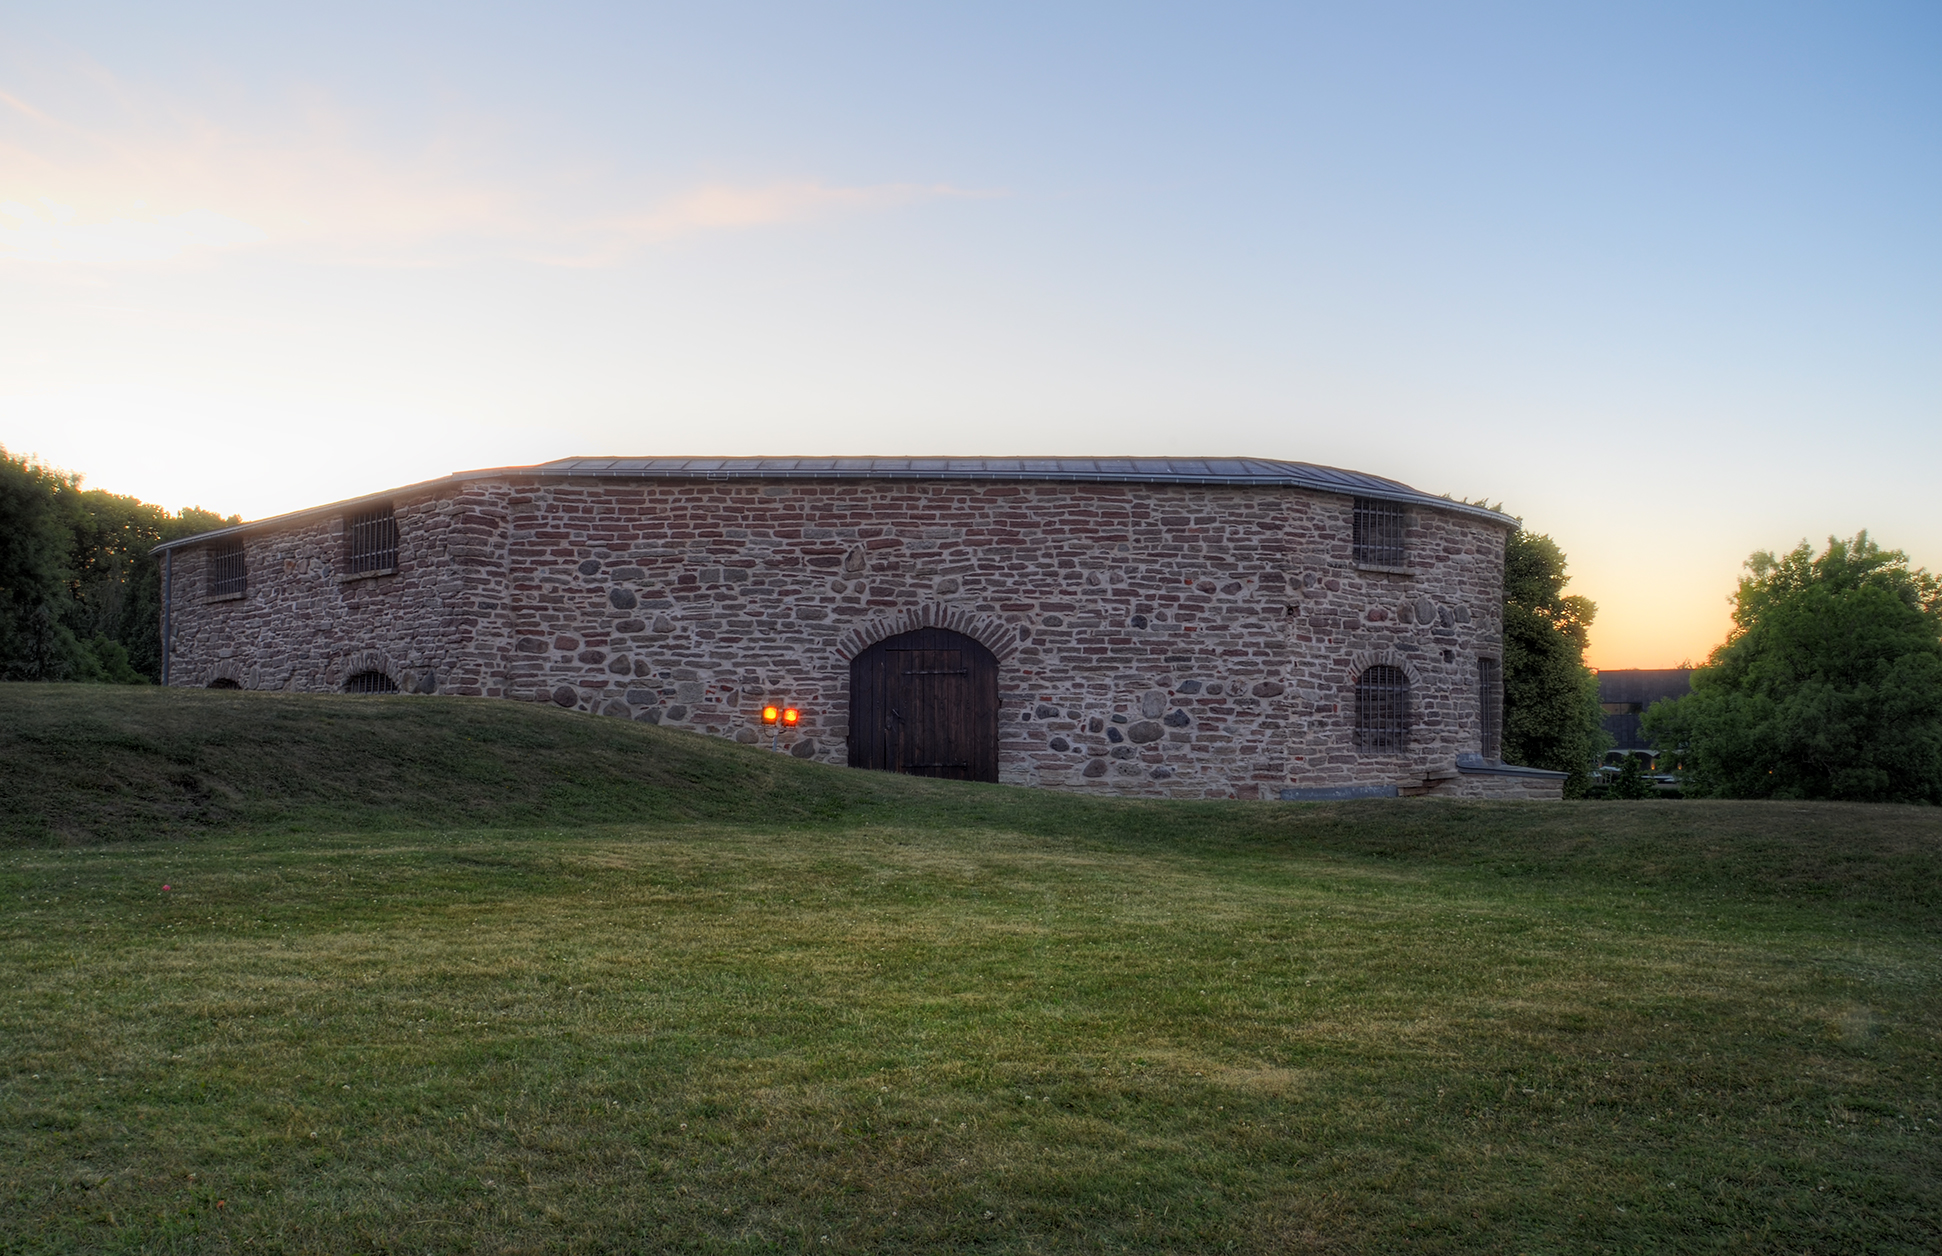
{"x": 25, "y": 108}
{"x": 57, "y": 237}
{"x": 719, "y": 206}
{"x": 66, "y": 193}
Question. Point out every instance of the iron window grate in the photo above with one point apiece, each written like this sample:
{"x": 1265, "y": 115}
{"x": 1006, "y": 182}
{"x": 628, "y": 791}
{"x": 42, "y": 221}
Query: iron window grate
{"x": 227, "y": 572}
{"x": 1378, "y": 533}
{"x": 1490, "y": 694}
{"x": 1382, "y": 709}
{"x": 373, "y": 540}
{"x": 370, "y": 682}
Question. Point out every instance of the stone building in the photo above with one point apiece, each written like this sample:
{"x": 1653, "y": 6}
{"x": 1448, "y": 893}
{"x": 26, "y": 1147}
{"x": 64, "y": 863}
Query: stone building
{"x": 1178, "y": 627}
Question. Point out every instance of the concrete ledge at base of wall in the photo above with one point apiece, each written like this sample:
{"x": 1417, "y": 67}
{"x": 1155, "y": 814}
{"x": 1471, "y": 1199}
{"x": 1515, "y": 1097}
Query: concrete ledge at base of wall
{"x": 1338, "y": 793}
{"x": 1476, "y": 765}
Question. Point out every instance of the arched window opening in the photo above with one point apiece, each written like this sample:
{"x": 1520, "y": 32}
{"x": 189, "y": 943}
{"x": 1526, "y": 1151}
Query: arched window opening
{"x": 223, "y": 682}
{"x": 370, "y": 682}
{"x": 1382, "y": 708}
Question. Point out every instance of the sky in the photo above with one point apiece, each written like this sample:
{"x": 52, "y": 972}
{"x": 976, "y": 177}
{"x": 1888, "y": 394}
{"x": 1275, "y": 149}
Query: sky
{"x": 1664, "y": 280}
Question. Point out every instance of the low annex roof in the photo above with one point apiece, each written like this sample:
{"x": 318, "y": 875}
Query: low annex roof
{"x": 1258, "y": 472}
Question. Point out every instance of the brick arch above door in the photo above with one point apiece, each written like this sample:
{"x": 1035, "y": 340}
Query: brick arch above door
{"x": 989, "y": 631}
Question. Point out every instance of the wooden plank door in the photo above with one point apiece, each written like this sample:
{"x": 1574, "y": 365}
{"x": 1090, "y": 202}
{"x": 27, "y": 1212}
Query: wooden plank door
{"x": 925, "y": 703}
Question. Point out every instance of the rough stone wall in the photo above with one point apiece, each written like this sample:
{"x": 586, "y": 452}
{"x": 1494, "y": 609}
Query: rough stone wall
{"x": 1506, "y": 788}
{"x": 1154, "y": 639}
{"x": 435, "y": 624}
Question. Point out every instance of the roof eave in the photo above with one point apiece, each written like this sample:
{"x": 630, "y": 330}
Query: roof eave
{"x": 1402, "y": 494}
{"x": 348, "y": 503}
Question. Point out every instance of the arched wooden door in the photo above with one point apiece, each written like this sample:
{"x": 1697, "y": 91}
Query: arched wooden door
{"x": 926, "y": 703}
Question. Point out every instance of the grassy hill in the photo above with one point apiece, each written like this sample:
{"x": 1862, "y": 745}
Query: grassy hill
{"x": 430, "y": 974}
{"x": 100, "y": 764}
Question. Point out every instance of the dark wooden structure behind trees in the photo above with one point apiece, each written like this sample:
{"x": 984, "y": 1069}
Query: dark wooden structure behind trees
{"x": 1625, "y": 693}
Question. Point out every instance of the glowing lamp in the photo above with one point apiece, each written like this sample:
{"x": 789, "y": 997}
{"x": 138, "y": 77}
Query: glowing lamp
{"x": 770, "y": 715}
{"x": 790, "y": 715}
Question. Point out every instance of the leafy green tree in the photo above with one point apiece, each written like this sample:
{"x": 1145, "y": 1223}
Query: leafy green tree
{"x": 1829, "y": 684}
{"x": 1551, "y": 714}
{"x": 80, "y": 592}
{"x": 116, "y": 585}
{"x": 36, "y": 510}
{"x": 1631, "y": 782}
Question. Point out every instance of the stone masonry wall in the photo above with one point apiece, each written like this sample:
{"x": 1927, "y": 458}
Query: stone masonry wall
{"x": 1172, "y": 640}
{"x": 435, "y": 624}
{"x": 1503, "y": 788}
{"x": 1155, "y": 639}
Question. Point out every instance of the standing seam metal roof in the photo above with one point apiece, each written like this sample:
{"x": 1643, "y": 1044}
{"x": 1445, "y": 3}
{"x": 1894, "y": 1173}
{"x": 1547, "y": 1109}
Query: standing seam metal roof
{"x": 1252, "y": 472}
{"x": 1259, "y": 472}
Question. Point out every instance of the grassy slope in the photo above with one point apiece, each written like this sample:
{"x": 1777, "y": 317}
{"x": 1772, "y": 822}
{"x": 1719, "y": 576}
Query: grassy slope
{"x": 470, "y": 976}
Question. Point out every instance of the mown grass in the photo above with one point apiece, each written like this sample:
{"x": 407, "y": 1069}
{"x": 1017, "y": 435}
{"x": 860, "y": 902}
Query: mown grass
{"x": 700, "y": 998}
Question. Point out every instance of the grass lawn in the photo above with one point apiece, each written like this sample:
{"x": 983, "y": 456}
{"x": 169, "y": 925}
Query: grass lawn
{"x": 431, "y": 975}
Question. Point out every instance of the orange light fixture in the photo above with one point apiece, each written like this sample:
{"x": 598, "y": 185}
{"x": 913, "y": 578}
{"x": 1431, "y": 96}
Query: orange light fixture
{"x": 790, "y": 715}
{"x": 770, "y": 715}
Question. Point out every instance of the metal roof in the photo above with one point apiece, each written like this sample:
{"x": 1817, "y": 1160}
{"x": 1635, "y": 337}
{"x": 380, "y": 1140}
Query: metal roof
{"x": 1258, "y": 472}
{"x": 1255, "y": 472}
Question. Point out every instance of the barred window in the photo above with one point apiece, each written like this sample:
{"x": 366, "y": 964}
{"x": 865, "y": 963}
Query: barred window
{"x": 1490, "y": 696}
{"x": 227, "y": 574}
{"x": 223, "y": 682}
{"x": 372, "y": 540}
{"x": 1382, "y": 709}
{"x": 370, "y": 682}
{"x": 1378, "y": 533}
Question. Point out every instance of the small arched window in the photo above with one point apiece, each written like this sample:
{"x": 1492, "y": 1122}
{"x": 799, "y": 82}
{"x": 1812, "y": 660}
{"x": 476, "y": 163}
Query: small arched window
{"x": 1382, "y": 708}
{"x": 223, "y": 682}
{"x": 370, "y": 682}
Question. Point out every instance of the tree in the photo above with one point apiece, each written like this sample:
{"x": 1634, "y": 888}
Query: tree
{"x": 80, "y": 591}
{"x": 1551, "y": 714}
{"x": 35, "y": 536}
{"x": 116, "y": 585}
{"x": 1829, "y": 684}
{"x": 1631, "y": 783}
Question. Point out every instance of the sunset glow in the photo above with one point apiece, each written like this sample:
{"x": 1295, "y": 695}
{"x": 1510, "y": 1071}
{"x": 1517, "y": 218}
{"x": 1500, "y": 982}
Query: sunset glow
{"x": 1661, "y": 281}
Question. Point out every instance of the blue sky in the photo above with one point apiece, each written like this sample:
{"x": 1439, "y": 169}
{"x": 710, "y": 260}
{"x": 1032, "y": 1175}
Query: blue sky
{"x": 1662, "y": 280}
